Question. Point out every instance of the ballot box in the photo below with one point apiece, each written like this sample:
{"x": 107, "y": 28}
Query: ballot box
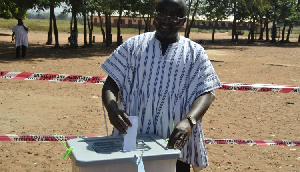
{"x": 105, "y": 154}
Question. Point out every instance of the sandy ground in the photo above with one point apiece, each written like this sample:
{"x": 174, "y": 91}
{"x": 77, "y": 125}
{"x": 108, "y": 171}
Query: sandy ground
{"x": 75, "y": 109}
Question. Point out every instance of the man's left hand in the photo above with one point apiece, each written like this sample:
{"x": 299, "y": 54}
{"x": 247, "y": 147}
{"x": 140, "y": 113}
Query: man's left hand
{"x": 180, "y": 134}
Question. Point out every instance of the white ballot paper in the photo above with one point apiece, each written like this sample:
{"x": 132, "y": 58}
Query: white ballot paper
{"x": 129, "y": 143}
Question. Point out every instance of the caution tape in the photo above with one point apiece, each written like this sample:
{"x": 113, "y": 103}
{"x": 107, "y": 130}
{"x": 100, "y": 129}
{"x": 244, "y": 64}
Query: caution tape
{"x": 52, "y": 77}
{"x": 260, "y": 88}
{"x": 54, "y": 138}
{"x": 37, "y": 138}
{"x": 253, "y": 142}
{"x": 101, "y": 80}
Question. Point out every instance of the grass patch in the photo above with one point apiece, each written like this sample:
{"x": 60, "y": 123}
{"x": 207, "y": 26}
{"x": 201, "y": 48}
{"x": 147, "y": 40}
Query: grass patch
{"x": 62, "y": 26}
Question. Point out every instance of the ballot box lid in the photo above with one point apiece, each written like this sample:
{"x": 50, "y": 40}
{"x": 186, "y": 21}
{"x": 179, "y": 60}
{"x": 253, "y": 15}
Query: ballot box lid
{"x": 97, "y": 151}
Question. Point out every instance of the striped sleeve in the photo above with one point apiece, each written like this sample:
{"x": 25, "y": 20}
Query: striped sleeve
{"x": 202, "y": 76}
{"x": 116, "y": 65}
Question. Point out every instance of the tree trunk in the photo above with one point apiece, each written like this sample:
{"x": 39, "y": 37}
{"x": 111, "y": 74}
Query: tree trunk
{"x": 252, "y": 27}
{"x": 274, "y": 32}
{"x": 289, "y": 33}
{"x": 71, "y": 24}
{"x": 101, "y": 26}
{"x": 108, "y": 30}
{"x": 147, "y": 24}
{"x": 267, "y": 29}
{"x": 261, "y": 35}
{"x": 213, "y": 32}
{"x": 140, "y": 23}
{"x": 49, "y": 41}
{"x": 282, "y": 33}
{"x": 119, "y": 38}
{"x": 55, "y": 29}
{"x": 75, "y": 28}
{"x": 188, "y": 18}
{"x": 91, "y": 27}
{"x": 84, "y": 30}
{"x": 193, "y": 19}
{"x": 233, "y": 27}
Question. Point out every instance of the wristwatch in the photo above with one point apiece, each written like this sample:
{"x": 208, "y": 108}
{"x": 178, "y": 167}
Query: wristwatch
{"x": 192, "y": 120}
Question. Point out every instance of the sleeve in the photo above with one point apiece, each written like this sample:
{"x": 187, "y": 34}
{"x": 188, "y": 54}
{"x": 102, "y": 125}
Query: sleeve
{"x": 27, "y": 28}
{"x": 116, "y": 65}
{"x": 203, "y": 77}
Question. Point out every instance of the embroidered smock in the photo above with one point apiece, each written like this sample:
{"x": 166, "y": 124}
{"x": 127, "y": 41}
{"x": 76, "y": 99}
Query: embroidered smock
{"x": 21, "y": 37}
{"x": 161, "y": 88}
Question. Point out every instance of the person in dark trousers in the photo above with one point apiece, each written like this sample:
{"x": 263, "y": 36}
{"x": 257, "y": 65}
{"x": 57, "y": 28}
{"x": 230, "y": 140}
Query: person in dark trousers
{"x": 20, "y": 32}
{"x": 163, "y": 78}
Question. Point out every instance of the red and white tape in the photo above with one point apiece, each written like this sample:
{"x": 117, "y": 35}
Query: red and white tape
{"x": 101, "y": 80}
{"x": 54, "y": 138}
{"x": 37, "y": 138}
{"x": 52, "y": 77}
{"x": 260, "y": 88}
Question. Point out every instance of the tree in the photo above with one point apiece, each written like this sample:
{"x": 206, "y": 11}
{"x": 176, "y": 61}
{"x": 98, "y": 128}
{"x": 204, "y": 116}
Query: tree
{"x": 75, "y": 9}
{"x": 239, "y": 12}
{"x": 274, "y": 15}
{"x": 288, "y": 16}
{"x": 100, "y": 10}
{"x": 50, "y": 4}
{"x": 15, "y": 9}
{"x": 215, "y": 11}
{"x": 193, "y": 6}
{"x": 146, "y": 9}
{"x": 91, "y": 7}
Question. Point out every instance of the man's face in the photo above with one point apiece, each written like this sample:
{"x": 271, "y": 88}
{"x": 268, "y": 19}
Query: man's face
{"x": 167, "y": 27}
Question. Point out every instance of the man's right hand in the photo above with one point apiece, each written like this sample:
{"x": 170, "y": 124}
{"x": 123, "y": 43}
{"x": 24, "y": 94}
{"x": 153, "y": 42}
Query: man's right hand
{"x": 119, "y": 119}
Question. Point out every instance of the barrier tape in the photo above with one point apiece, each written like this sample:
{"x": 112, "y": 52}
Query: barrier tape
{"x": 37, "y": 138}
{"x": 260, "y": 88}
{"x": 52, "y": 77}
{"x": 101, "y": 80}
{"x": 53, "y": 138}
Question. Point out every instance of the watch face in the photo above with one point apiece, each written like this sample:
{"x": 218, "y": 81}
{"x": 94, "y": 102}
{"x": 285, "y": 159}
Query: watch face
{"x": 193, "y": 120}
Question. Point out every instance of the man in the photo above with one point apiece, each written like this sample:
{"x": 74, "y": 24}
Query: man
{"x": 20, "y": 32}
{"x": 162, "y": 77}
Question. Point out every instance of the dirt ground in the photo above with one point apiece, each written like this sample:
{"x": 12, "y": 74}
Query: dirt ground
{"x": 76, "y": 109}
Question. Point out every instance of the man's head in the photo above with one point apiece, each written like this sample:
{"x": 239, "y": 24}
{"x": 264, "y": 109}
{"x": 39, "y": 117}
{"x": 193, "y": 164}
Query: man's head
{"x": 20, "y": 22}
{"x": 169, "y": 18}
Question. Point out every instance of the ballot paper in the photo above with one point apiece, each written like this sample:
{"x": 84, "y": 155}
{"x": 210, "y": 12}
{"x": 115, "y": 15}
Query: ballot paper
{"x": 129, "y": 143}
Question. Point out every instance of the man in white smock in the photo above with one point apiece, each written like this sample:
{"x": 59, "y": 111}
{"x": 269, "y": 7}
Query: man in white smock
{"x": 162, "y": 77}
{"x": 20, "y": 32}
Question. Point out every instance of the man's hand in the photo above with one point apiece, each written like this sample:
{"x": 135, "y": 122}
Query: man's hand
{"x": 180, "y": 134}
{"x": 119, "y": 119}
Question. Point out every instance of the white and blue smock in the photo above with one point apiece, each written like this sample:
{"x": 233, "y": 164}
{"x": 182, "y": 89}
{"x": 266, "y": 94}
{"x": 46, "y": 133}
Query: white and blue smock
{"x": 21, "y": 37}
{"x": 161, "y": 88}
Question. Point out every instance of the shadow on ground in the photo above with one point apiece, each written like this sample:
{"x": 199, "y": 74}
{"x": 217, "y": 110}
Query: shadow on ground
{"x": 42, "y": 51}
{"x": 227, "y": 44}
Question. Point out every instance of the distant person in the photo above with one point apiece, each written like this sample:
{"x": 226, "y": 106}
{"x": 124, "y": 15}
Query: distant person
{"x": 163, "y": 78}
{"x": 20, "y": 32}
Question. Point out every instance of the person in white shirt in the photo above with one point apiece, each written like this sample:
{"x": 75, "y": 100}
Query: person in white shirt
{"x": 20, "y": 32}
